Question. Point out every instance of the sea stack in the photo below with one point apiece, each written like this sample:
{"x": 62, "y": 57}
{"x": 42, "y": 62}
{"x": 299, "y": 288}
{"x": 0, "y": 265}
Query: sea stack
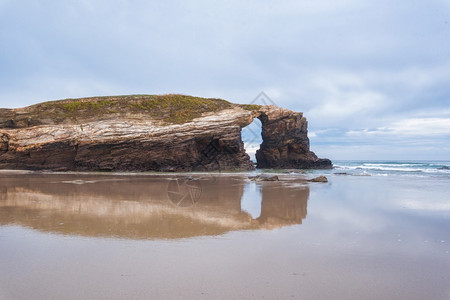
{"x": 151, "y": 133}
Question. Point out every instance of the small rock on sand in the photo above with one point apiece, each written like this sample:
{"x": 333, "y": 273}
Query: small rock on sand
{"x": 319, "y": 179}
{"x": 264, "y": 177}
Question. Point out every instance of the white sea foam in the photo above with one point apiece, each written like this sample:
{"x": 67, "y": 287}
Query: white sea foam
{"x": 386, "y": 168}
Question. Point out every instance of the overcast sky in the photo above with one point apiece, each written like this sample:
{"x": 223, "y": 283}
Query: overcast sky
{"x": 372, "y": 77}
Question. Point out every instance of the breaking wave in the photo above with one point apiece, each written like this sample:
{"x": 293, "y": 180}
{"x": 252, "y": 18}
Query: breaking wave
{"x": 385, "y": 168}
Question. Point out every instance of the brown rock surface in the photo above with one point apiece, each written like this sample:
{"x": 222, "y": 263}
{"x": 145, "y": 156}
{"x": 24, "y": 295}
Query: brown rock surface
{"x": 264, "y": 177}
{"x": 141, "y": 133}
{"x": 285, "y": 141}
{"x": 319, "y": 179}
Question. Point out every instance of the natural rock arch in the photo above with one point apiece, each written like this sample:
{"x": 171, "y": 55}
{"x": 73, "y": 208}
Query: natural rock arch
{"x": 145, "y": 132}
{"x": 285, "y": 141}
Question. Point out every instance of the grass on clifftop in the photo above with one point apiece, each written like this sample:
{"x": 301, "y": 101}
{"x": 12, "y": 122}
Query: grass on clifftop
{"x": 172, "y": 108}
{"x": 250, "y": 107}
{"x": 179, "y": 109}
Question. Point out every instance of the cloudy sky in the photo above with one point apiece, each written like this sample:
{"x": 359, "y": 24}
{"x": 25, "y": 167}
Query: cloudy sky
{"x": 372, "y": 77}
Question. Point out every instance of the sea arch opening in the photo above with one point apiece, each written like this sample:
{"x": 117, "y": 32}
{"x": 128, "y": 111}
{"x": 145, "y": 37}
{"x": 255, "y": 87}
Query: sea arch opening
{"x": 252, "y": 138}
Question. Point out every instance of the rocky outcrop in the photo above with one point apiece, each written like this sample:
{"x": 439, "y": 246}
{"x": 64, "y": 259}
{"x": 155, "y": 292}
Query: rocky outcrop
{"x": 319, "y": 179}
{"x": 142, "y": 133}
{"x": 285, "y": 141}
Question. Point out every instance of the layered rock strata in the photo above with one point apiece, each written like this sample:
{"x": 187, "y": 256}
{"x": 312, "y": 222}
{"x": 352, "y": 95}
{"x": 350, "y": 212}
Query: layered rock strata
{"x": 150, "y": 133}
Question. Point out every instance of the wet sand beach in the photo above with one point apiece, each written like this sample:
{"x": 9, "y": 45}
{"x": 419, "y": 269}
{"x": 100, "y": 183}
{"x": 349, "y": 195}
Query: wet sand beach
{"x": 222, "y": 236}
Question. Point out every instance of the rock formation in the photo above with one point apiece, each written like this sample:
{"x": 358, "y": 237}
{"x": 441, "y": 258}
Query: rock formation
{"x": 145, "y": 132}
{"x": 285, "y": 141}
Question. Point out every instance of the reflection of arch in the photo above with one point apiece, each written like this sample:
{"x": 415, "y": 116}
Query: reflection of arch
{"x": 283, "y": 205}
{"x": 139, "y": 208}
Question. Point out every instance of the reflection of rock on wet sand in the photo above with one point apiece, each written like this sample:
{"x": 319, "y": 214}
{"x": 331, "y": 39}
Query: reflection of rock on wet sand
{"x": 139, "y": 207}
{"x": 283, "y": 205}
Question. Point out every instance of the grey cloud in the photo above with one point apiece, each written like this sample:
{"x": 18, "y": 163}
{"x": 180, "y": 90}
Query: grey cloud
{"x": 348, "y": 64}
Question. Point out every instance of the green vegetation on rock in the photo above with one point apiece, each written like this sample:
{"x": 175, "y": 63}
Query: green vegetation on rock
{"x": 250, "y": 107}
{"x": 172, "y": 108}
{"x": 178, "y": 109}
{"x": 79, "y": 105}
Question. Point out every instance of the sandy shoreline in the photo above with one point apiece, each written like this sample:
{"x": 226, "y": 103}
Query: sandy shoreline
{"x": 78, "y": 236}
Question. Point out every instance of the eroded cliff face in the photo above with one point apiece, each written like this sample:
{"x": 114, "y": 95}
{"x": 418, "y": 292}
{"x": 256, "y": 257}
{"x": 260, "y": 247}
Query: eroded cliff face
{"x": 143, "y": 133}
{"x": 285, "y": 141}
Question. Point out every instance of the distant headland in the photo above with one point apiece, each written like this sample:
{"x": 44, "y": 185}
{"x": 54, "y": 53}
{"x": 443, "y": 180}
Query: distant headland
{"x": 173, "y": 133}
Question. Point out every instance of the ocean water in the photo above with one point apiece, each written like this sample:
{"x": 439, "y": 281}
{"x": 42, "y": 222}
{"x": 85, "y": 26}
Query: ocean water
{"x": 393, "y": 168}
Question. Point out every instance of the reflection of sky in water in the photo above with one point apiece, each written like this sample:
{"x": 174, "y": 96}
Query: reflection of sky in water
{"x": 381, "y": 216}
{"x": 251, "y": 199}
